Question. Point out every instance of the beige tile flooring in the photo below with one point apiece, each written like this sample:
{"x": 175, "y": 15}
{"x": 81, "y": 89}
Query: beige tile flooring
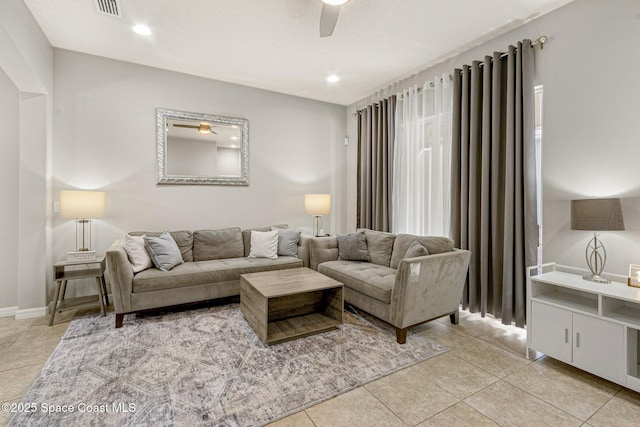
{"x": 483, "y": 380}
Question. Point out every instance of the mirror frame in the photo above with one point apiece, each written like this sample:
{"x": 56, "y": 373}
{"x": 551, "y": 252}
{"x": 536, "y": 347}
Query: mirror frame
{"x": 162, "y": 175}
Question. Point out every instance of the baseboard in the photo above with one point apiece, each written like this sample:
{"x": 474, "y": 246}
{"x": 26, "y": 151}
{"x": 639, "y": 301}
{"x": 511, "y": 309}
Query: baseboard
{"x": 8, "y": 311}
{"x": 31, "y": 312}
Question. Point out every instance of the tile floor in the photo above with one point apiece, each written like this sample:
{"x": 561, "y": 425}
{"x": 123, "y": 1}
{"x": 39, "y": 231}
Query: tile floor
{"x": 483, "y": 380}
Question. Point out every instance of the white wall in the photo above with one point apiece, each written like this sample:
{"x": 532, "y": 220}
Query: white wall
{"x": 104, "y": 138}
{"x": 591, "y": 130}
{"x": 9, "y": 147}
{"x": 26, "y": 58}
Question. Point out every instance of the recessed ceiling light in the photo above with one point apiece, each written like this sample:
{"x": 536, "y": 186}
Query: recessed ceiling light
{"x": 235, "y": 138}
{"x": 333, "y": 78}
{"x": 234, "y": 146}
{"x": 335, "y": 2}
{"x": 143, "y": 30}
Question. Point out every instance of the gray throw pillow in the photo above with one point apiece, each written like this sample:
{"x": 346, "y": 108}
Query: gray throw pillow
{"x": 415, "y": 249}
{"x": 353, "y": 247}
{"x": 287, "y": 241}
{"x": 163, "y": 251}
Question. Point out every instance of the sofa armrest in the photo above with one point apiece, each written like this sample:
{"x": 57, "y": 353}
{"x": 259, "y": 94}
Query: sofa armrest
{"x": 121, "y": 276}
{"x": 303, "y": 249}
{"x": 428, "y": 287}
{"x": 322, "y": 249}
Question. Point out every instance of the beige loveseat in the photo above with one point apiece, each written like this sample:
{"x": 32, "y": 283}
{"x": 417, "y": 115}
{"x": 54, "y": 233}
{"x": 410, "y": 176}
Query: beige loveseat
{"x": 211, "y": 270}
{"x": 401, "y": 291}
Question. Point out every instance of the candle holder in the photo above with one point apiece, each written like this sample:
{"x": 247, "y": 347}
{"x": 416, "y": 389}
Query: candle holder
{"x": 634, "y": 276}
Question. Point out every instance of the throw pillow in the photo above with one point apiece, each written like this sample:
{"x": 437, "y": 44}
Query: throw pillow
{"x": 264, "y": 244}
{"x": 415, "y": 249}
{"x": 183, "y": 238}
{"x": 380, "y": 245}
{"x": 163, "y": 251}
{"x": 353, "y": 247}
{"x": 138, "y": 256}
{"x": 246, "y": 235}
{"x": 287, "y": 241}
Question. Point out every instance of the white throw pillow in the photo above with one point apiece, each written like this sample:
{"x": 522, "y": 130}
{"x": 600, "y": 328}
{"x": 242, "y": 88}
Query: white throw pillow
{"x": 264, "y": 244}
{"x": 138, "y": 256}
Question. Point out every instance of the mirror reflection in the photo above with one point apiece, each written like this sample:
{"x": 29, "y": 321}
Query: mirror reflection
{"x": 202, "y": 149}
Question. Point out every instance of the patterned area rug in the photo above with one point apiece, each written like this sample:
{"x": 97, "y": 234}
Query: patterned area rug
{"x": 205, "y": 367}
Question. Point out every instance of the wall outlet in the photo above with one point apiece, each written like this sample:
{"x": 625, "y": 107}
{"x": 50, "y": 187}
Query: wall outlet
{"x": 56, "y": 207}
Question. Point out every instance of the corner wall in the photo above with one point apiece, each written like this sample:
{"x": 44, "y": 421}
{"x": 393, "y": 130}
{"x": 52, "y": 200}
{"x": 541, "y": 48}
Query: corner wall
{"x": 26, "y": 62}
{"x": 591, "y": 131}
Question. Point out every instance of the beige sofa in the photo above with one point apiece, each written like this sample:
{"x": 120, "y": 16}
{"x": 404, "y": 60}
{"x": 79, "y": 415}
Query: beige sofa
{"x": 401, "y": 291}
{"x": 209, "y": 271}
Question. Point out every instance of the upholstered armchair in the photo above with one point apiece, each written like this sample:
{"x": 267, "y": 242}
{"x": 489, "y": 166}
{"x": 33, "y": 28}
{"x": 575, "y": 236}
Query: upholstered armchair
{"x": 403, "y": 292}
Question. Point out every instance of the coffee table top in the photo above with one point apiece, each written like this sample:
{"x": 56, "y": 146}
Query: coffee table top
{"x": 290, "y": 281}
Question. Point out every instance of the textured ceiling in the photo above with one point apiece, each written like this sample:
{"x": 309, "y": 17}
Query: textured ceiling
{"x": 274, "y": 44}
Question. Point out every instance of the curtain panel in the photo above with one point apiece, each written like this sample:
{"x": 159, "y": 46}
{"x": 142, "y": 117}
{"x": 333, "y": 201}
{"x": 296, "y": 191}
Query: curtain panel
{"x": 422, "y": 174}
{"x": 493, "y": 212}
{"x": 376, "y": 132}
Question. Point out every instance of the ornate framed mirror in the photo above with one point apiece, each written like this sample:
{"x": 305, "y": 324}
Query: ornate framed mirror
{"x": 201, "y": 149}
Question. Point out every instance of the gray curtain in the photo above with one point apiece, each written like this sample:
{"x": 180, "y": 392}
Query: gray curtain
{"x": 493, "y": 208}
{"x": 376, "y": 135}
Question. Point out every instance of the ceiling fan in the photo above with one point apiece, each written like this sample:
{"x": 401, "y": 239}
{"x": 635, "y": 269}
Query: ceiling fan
{"x": 203, "y": 128}
{"x": 329, "y": 16}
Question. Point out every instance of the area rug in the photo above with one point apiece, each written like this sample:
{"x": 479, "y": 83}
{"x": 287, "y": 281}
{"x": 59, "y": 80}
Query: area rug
{"x": 205, "y": 367}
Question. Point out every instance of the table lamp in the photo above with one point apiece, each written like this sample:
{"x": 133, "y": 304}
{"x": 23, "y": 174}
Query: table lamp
{"x": 596, "y": 215}
{"x": 317, "y": 205}
{"x": 82, "y": 206}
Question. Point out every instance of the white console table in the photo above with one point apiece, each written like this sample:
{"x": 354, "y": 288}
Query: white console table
{"x": 592, "y": 326}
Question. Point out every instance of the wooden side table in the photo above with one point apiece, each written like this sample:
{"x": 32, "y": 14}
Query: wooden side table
{"x": 92, "y": 269}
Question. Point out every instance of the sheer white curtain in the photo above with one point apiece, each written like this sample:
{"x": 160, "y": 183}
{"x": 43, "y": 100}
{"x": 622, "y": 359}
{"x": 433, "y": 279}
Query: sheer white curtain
{"x": 422, "y": 160}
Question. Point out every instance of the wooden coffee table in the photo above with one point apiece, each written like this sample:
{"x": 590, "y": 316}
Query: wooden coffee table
{"x": 282, "y": 305}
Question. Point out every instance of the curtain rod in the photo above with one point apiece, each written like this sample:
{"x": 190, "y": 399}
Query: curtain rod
{"x": 539, "y": 41}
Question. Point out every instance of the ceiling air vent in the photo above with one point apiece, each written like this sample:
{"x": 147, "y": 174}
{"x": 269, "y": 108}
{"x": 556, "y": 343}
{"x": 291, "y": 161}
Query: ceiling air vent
{"x": 109, "y": 7}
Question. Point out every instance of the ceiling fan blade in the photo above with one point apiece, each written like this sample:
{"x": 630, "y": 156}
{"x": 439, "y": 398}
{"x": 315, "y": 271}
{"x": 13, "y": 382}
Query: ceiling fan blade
{"x": 184, "y": 126}
{"x": 328, "y": 19}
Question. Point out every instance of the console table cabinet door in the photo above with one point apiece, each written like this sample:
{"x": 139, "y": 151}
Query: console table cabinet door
{"x": 551, "y": 331}
{"x": 598, "y": 347}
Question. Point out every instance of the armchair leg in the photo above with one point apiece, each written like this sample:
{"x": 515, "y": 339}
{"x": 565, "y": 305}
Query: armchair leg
{"x": 401, "y": 335}
{"x": 119, "y": 319}
{"x": 455, "y": 317}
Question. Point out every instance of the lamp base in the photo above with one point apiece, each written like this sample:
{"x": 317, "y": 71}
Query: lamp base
{"x": 82, "y": 255}
{"x": 596, "y": 278}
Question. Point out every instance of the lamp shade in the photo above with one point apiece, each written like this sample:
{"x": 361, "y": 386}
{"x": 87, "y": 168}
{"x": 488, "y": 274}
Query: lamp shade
{"x": 317, "y": 204}
{"x": 82, "y": 204}
{"x": 596, "y": 215}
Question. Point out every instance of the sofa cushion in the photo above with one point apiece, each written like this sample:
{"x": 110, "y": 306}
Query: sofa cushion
{"x": 246, "y": 235}
{"x": 184, "y": 240}
{"x": 415, "y": 249}
{"x": 288, "y": 241}
{"x": 434, "y": 245}
{"x": 322, "y": 249}
{"x": 380, "y": 245}
{"x": 353, "y": 247}
{"x": 264, "y": 244}
{"x": 163, "y": 251}
{"x": 203, "y": 272}
{"x": 217, "y": 244}
{"x": 375, "y": 281}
